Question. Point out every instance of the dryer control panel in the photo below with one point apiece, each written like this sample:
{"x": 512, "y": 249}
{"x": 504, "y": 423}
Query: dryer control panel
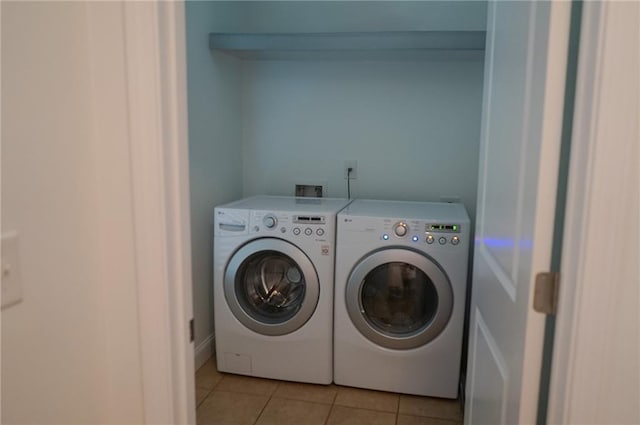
{"x": 407, "y": 231}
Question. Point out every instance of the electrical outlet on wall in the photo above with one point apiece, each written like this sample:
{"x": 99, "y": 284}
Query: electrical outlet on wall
{"x": 353, "y": 164}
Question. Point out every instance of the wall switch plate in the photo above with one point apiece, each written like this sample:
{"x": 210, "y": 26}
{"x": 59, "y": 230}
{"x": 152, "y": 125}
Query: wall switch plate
{"x": 10, "y": 270}
{"x": 353, "y": 164}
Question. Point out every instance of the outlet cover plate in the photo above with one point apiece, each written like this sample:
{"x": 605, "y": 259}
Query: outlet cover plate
{"x": 353, "y": 164}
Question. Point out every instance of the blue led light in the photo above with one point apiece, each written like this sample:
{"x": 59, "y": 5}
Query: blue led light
{"x": 385, "y": 237}
{"x": 415, "y": 239}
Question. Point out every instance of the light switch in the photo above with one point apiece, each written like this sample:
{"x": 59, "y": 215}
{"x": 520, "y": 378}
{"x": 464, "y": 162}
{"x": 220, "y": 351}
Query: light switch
{"x": 10, "y": 270}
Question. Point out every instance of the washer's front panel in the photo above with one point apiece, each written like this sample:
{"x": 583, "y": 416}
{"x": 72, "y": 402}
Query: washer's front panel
{"x": 271, "y": 286}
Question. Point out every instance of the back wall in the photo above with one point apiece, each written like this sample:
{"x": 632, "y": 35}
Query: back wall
{"x": 412, "y": 126}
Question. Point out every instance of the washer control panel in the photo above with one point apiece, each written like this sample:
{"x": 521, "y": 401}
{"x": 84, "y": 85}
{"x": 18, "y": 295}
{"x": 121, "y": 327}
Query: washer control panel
{"x": 304, "y": 226}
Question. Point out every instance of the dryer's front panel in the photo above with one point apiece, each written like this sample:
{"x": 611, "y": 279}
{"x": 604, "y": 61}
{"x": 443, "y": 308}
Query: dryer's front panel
{"x": 398, "y": 298}
{"x": 271, "y": 286}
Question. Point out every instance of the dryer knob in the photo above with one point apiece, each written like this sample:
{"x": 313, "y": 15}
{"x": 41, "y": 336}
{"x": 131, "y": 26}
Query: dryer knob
{"x": 270, "y": 221}
{"x": 400, "y": 229}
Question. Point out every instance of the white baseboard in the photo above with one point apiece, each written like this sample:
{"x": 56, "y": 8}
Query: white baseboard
{"x": 204, "y": 351}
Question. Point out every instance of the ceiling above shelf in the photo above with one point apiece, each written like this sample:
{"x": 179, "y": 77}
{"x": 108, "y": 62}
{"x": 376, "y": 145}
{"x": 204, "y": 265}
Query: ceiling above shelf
{"x": 346, "y": 30}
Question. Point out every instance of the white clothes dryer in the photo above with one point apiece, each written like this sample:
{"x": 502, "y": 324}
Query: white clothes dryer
{"x": 273, "y": 287}
{"x": 401, "y": 276}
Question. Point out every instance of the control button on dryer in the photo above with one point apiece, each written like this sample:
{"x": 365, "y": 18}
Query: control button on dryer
{"x": 283, "y": 230}
{"x": 455, "y": 240}
{"x": 400, "y": 229}
{"x": 442, "y": 240}
{"x": 320, "y": 232}
{"x": 430, "y": 239}
{"x": 296, "y": 231}
{"x": 308, "y": 231}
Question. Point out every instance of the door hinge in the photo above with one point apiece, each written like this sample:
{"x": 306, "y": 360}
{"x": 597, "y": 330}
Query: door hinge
{"x": 545, "y": 296}
{"x": 191, "y": 331}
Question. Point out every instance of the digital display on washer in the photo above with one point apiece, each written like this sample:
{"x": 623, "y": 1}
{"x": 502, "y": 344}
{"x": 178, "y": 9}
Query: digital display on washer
{"x": 309, "y": 219}
{"x": 442, "y": 228}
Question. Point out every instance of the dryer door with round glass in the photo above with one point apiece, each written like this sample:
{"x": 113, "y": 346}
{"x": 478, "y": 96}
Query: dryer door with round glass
{"x": 271, "y": 286}
{"x": 399, "y": 298}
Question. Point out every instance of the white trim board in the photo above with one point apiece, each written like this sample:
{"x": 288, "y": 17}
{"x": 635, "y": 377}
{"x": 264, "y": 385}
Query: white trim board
{"x": 204, "y": 351}
{"x": 596, "y": 360}
{"x": 156, "y": 84}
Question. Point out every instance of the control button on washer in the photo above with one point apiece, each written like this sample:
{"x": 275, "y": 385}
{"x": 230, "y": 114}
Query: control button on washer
{"x": 320, "y": 232}
{"x": 430, "y": 239}
{"x": 455, "y": 240}
{"x": 296, "y": 231}
{"x": 442, "y": 240}
{"x": 283, "y": 230}
{"x": 308, "y": 231}
{"x": 270, "y": 221}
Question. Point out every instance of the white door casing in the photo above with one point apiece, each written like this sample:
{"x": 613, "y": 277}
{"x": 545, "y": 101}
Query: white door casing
{"x": 596, "y": 359}
{"x": 156, "y": 85}
{"x": 525, "y": 71}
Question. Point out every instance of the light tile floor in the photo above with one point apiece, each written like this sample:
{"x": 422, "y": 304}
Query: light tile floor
{"x": 225, "y": 399}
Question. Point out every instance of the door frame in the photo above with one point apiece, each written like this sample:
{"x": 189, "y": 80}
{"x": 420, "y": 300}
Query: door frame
{"x": 155, "y": 53}
{"x": 583, "y": 365}
{"x": 156, "y": 70}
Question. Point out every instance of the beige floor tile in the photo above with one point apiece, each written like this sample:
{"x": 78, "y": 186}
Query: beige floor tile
{"x": 367, "y": 399}
{"x": 247, "y": 385}
{"x": 423, "y": 420}
{"x": 341, "y": 415}
{"x": 201, "y": 394}
{"x": 208, "y": 376}
{"x": 281, "y": 411}
{"x": 307, "y": 392}
{"x": 224, "y": 408}
{"x": 429, "y": 406}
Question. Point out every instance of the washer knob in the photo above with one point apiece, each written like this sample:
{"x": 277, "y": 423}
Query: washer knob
{"x": 455, "y": 240}
{"x": 400, "y": 229}
{"x": 430, "y": 239}
{"x": 270, "y": 221}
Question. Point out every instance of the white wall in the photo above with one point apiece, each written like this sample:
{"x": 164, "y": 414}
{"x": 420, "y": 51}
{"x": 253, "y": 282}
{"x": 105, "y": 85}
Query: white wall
{"x": 413, "y": 127}
{"x": 214, "y": 153}
{"x": 70, "y": 351}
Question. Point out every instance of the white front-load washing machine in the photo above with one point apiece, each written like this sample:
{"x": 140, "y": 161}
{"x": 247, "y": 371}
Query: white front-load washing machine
{"x": 401, "y": 276}
{"x": 273, "y": 287}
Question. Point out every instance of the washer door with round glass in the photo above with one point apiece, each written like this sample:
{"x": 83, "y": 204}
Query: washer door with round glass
{"x": 399, "y": 298}
{"x": 271, "y": 286}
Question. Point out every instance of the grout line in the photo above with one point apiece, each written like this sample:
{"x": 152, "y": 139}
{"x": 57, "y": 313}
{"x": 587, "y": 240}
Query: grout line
{"x": 398, "y": 410}
{"x": 267, "y": 403}
{"x": 209, "y": 392}
{"x": 326, "y": 421}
